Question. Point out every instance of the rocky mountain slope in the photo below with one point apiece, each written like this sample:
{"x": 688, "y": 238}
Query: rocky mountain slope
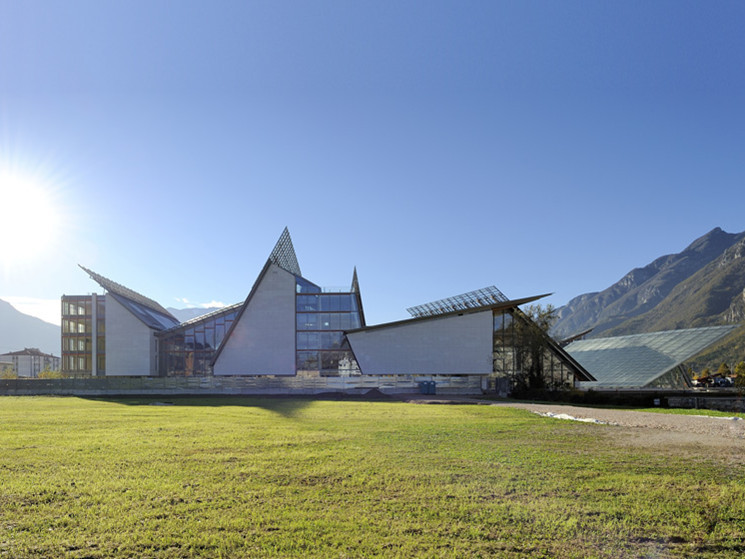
{"x": 703, "y": 285}
{"x": 19, "y": 331}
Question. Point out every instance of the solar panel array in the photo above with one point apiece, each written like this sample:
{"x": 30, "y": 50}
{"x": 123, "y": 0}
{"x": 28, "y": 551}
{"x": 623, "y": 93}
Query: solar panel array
{"x": 471, "y": 300}
{"x": 127, "y": 293}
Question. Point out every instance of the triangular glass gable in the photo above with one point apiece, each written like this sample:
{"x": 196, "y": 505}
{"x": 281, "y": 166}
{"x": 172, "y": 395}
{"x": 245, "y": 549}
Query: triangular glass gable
{"x": 284, "y": 256}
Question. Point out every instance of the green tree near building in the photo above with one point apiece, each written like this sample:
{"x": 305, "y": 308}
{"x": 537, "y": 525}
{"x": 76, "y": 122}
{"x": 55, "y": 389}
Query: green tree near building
{"x": 47, "y": 373}
{"x": 724, "y": 370}
{"x": 740, "y": 372}
{"x": 531, "y": 348}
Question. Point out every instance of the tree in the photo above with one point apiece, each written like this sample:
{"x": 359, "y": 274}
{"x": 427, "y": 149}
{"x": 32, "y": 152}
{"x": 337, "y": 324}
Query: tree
{"x": 740, "y": 372}
{"x": 7, "y": 373}
{"x": 48, "y": 373}
{"x": 531, "y": 346}
{"x": 724, "y": 370}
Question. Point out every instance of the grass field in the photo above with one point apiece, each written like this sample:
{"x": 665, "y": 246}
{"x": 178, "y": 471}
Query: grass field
{"x": 286, "y": 478}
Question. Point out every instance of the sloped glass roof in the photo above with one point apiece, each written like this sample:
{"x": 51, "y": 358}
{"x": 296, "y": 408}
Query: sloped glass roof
{"x": 203, "y": 318}
{"x": 638, "y": 360}
{"x": 151, "y": 317}
{"x": 471, "y": 300}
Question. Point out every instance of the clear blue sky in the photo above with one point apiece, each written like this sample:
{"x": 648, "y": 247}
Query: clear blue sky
{"x": 440, "y": 147}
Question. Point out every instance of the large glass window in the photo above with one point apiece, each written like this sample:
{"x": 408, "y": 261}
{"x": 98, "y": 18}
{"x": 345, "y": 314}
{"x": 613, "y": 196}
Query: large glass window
{"x": 307, "y": 360}
{"x": 304, "y": 286}
{"x": 322, "y": 319}
{"x": 189, "y": 350}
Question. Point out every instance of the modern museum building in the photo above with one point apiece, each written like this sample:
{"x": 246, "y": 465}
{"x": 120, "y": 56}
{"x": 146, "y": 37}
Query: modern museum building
{"x": 289, "y": 327}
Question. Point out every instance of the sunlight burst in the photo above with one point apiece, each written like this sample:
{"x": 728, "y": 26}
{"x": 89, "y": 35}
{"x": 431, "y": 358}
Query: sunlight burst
{"x": 31, "y": 218}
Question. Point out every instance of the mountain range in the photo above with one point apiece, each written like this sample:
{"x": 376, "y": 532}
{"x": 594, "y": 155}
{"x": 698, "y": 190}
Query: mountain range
{"x": 19, "y": 331}
{"x": 704, "y": 285}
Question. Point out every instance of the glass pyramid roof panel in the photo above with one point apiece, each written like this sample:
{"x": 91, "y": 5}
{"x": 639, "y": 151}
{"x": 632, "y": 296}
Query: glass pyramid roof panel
{"x": 283, "y": 254}
{"x": 639, "y": 359}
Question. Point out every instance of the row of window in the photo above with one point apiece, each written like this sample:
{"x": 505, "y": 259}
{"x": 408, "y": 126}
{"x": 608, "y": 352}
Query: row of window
{"x": 82, "y": 344}
{"x": 320, "y": 340}
{"x": 82, "y": 363}
{"x": 82, "y": 326}
{"x": 82, "y": 306}
{"x": 328, "y": 321}
{"x": 327, "y": 302}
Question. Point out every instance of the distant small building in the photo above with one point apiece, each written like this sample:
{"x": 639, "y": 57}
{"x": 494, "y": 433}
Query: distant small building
{"x": 29, "y": 362}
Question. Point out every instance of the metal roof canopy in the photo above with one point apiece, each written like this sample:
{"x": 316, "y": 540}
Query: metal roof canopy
{"x": 471, "y": 300}
{"x": 510, "y": 304}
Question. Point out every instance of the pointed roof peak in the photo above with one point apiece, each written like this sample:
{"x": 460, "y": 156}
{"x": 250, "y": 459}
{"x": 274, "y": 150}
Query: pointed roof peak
{"x": 126, "y": 292}
{"x": 283, "y": 254}
{"x": 355, "y": 282}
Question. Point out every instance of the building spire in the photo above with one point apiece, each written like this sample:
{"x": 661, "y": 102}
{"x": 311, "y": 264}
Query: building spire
{"x": 355, "y": 283}
{"x": 283, "y": 254}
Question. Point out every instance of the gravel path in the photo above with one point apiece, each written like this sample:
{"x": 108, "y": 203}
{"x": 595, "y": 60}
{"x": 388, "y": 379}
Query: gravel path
{"x": 637, "y": 428}
{"x": 693, "y": 424}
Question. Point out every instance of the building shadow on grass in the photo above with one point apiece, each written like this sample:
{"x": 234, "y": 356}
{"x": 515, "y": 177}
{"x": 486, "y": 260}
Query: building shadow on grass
{"x": 286, "y": 406}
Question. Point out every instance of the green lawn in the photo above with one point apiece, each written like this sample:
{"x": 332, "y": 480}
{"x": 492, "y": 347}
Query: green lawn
{"x": 287, "y": 478}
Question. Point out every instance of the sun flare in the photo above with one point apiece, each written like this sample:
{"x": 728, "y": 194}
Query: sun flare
{"x": 31, "y": 218}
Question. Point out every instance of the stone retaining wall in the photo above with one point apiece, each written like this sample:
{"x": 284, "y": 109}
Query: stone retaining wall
{"x": 728, "y": 403}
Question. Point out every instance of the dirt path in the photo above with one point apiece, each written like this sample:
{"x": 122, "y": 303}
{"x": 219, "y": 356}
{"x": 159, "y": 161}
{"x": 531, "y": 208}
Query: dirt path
{"x": 694, "y": 424}
{"x": 640, "y": 428}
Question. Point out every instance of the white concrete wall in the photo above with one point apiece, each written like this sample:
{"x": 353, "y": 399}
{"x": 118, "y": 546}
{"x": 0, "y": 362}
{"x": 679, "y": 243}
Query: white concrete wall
{"x": 263, "y": 340}
{"x": 460, "y": 344}
{"x": 130, "y": 345}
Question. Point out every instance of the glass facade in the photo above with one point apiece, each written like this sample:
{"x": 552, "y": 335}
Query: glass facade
{"x": 84, "y": 334}
{"x": 189, "y": 349}
{"x": 518, "y": 347}
{"x": 321, "y": 319}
